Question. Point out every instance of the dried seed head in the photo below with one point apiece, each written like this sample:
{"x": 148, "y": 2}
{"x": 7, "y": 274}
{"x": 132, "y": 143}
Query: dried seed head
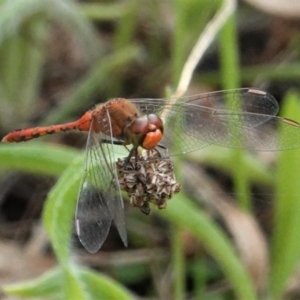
{"x": 150, "y": 179}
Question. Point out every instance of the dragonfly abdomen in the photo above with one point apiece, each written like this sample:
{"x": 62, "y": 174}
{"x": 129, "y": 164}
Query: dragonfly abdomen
{"x": 22, "y": 135}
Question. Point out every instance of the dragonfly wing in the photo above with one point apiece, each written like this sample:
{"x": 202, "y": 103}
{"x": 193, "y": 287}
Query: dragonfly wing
{"x": 242, "y": 118}
{"x": 278, "y": 134}
{"x": 115, "y": 201}
{"x": 235, "y": 129}
{"x": 98, "y": 196}
{"x": 246, "y": 99}
{"x": 199, "y": 127}
{"x": 93, "y": 217}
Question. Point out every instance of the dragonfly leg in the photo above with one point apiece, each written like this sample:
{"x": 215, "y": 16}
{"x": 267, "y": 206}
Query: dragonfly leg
{"x": 107, "y": 141}
{"x": 165, "y": 149}
{"x": 132, "y": 152}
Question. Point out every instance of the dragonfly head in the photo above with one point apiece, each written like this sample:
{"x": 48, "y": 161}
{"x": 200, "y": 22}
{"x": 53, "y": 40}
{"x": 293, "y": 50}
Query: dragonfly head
{"x": 145, "y": 131}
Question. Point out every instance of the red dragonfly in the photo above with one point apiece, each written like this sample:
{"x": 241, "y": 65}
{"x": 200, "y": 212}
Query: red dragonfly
{"x": 241, "y": 118}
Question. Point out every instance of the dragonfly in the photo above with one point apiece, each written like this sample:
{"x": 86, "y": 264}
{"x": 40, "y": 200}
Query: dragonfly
{"x": 239, "y": 118}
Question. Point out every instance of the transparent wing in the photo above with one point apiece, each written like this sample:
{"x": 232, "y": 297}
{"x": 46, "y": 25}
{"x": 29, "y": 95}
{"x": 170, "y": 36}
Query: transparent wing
{"x": 115, "y": 201}
{"x": 247, "y": 100}
{"x": 99, "y": 200}
{"x": 242, "y": 118}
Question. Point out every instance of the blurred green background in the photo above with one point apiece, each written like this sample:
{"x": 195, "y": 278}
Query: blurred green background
{"x": 232, "y": 233}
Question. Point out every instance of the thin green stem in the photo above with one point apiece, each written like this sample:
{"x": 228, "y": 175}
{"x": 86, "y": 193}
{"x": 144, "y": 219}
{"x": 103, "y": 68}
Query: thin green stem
{"x": 179, "y": 269}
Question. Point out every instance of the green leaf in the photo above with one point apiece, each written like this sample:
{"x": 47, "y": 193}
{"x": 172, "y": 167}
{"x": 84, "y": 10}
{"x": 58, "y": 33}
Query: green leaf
{"x": 185, "y": 214}
{"x": 83, "y": 284}
{"x": 286, "y": 242}
{"x": 74, "y": 285}
{"x": 103, "y": 287}
{"x": 58, "y": 215}
{"x": 48, "y": 285}
{"x": 36, "y": 157}
{"x": 71, "y": 283}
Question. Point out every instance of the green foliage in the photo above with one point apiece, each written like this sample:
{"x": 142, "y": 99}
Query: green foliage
{"x": 24, "y": 27}
{"x": 48, "y": 285}
{"x": 73, "y": 283}
{"x": 218, "y": 245}
{"x": 286, "y": 242}
{"x": 59, "y": 209}
{"x": 36, "y": 158}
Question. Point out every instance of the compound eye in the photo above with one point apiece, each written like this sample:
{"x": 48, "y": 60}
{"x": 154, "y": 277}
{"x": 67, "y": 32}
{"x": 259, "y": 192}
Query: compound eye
{"x": 140, "y": 125}
{"x": 155, "y": 120}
